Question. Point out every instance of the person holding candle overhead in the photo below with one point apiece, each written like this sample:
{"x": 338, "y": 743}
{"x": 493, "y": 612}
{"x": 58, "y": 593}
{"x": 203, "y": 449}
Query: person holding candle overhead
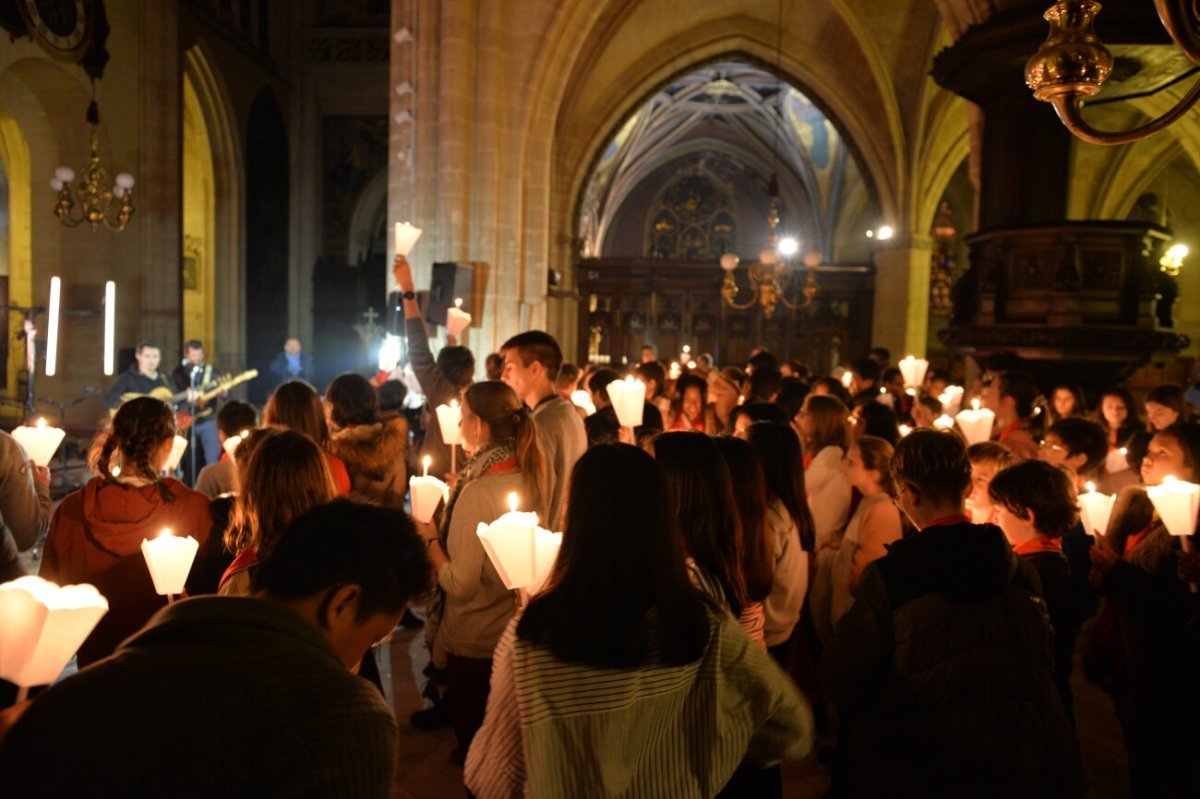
{"x": 630, "y": 686}
{"x": 1145, "y": 642}
{"x": 498, "y": 427}
{"x": 441, "y": 380}
{"x": 532, "y": 361}
{"x": 97, "y": 531}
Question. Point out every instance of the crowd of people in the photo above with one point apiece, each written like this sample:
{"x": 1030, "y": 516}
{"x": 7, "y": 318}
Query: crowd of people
{"x": 773, "y": 556}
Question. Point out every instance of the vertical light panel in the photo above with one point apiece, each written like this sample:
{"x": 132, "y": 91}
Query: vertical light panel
{"x": 110, "y": 324}
{"x": 52, "y": 332}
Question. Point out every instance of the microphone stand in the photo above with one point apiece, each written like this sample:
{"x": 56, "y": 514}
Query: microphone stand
{"x": 196, "y": 370}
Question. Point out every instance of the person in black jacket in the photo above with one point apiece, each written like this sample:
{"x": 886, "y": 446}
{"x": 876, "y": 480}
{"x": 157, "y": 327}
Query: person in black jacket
{"x": 1036, "y": 504}
{"x": 941, "y": 668}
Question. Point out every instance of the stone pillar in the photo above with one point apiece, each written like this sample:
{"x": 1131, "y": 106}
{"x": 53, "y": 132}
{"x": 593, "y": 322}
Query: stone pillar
{"x": 159, "y": 196}
{"x": 901, "y": 316}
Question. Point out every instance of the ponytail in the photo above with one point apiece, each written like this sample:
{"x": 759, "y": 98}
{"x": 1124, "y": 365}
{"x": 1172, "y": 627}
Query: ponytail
{"x": 530, "y": 460}
{"x": 506, "y": 417}
{"x": 140, "y": 427}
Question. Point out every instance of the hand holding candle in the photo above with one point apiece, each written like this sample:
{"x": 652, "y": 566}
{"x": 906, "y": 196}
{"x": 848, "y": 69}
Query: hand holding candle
{"x": 406, "y": 236}
{"x": 914, "y": 370}
{"x": 628, "y": 399}
{"x": 42, "y": 626}
{"x": 39, "y": 441}
{"x": 1177, "y": 503}
{"x": 457, "y": 320}
{"x": 178, "y": 446}
{"x": 169, "y": 559}
{"x": 522, "y": 552}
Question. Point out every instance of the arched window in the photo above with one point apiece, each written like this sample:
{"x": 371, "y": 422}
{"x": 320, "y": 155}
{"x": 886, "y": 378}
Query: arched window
{"x": 692, "y": 220}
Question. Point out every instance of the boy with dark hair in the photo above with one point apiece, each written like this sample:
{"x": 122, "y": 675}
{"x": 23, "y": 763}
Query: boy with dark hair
{"x": 1077, "y": 443}
{"x": 532, "y": 364}
{"x": 1035, "y": 506}
{"x": 941, "y": 668}
{"x": 256, "y": 695}
{"x": 865, "y": 383}
{"x": 1011, "y": 396}
{"x": 763, "y": 384}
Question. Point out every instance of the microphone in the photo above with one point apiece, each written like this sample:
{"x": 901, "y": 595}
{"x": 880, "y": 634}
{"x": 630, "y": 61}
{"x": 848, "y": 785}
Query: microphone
{"x": 184, "y": 362}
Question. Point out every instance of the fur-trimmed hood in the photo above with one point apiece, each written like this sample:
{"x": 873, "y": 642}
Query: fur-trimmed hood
{"x": 371, "y": 449}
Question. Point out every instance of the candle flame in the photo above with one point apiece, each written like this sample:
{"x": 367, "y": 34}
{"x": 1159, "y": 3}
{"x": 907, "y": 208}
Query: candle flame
{"x": 165, "y": 532}
{"x": 425, "y": 462}
{"x": 458, "y": 302}
{"x": 453, "y": 403}
{"x": 1090, "y": 486}
{"x": 1123, "y": 451}
{"x": 41, "y": 422}
{"x": 243, "y": 434}
{"x": 513, "y": 501}
{"x": 1170, "y": 478}
{"x": 691, "y": 364}
{"x": 975, "y": 404}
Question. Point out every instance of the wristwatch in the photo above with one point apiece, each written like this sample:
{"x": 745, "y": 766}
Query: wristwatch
{"x": 409, "y": 295}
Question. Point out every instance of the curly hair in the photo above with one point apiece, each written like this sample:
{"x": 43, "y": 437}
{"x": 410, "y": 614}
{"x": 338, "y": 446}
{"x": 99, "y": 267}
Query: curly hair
{"x": 135, "y": 435}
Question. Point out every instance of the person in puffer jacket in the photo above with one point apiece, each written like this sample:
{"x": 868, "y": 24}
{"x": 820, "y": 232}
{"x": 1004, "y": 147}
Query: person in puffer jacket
{"x": 941, "y": 668}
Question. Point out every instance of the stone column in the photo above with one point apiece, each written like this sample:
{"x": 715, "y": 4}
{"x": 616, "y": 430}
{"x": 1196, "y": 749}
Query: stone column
{"x": 901, "y": 318}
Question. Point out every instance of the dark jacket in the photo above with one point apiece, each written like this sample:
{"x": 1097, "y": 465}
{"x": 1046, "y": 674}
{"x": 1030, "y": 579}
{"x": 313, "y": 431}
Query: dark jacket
{"x": 280, "y": 373}
{"x": 1054, "y": 575}
{"x": 216, "y": 696}
{"x": 438, "y": 390}
{"x": 132, "y": 381}
{"x": 942, "y": 670}
{"x": 24, "y": 507}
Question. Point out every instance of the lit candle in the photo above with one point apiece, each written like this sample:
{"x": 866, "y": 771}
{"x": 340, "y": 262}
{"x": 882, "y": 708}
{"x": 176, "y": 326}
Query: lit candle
{"x": 457, "y": 320}
{"x": 675, "y": 371}
{"x": 583, "y": 399}
{"x": 944, "y": 422}
{"x": 40, "y": 441}
{"x": 449, "y": 416}
{"x": 406, "y": 236}
{"x": 1095, "y": 509}
{"x": 628, "y": 399}
{"x": 1116, "y": 461}
{"x": 427, "y": 493}
{"x": 847, "y": 378}
{"x": 951, "y": 399}
{"x": 1177, "y": 503}
{"x": 522, "y": 552}
{"x": 914, "y": 370}
{"x": 44, "y": 625}
{"x": 904, "y": 430}
{"x": 178, "y": 445}
{"x": 169, "y": 559}
{"x": 233, "y": 442}
{"x": 976, "y": 424}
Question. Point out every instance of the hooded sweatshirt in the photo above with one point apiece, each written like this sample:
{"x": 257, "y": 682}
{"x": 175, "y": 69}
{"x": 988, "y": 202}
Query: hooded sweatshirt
{"x": 96, "y": 537}
{"x": 942, "y": 669}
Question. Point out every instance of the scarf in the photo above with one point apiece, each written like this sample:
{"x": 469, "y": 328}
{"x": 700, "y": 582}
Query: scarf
{"x": 489, "y": 456}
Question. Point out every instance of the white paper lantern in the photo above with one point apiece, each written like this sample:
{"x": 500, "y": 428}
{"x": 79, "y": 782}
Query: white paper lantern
{"x": 40, "y": 442}
{"x": 449, "y": 416}
{"x": 944, "y": 422}
{"x": 976, "y": 424}
{"x": 628, "y": 398}
{"x": 178, "y": 447}
{"x": 951, "y": 399}
{"x": 426, "y": 493}
{"x": 522, "y": 552}
{"x": 1177, "y": 503}
{"x": 42, "y": 626}
{"x": 914, "y": 370}
{"x": 583, "y": 399}
{"x": 1115, "y": 461}
{"x": 406, "y": 236}
{"x": 1095, "y": 509}
{"x": 231, "y": 444}
{"x": 457, "y": 320}
{"x": 169, "y": 558}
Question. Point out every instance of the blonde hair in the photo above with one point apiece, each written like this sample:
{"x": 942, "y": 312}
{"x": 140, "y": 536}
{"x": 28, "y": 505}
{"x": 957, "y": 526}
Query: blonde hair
{"x": 829, "y": 419}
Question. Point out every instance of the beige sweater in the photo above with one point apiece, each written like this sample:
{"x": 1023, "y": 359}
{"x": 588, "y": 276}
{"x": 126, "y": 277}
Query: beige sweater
{"x": 478, "y": 606}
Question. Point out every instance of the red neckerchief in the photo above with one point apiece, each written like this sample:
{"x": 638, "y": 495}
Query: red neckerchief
{"x": 506, "y": 466}
{"x": 1133, "y": 540}
{"x": 244, "y": 560}
{"x": 1039, "y": 544}
{"x": 947, "y": 521}
{"x": 1009, "y": 429}
{"x": 808, "y": 459}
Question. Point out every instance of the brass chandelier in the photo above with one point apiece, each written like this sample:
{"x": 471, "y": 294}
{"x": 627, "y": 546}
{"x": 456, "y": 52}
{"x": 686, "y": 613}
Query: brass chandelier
{"x": 1072, "y": 64}
{"x": 99, "y": 203}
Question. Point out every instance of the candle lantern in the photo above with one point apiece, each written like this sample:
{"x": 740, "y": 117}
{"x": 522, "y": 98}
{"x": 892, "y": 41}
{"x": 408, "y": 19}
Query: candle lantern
{"x": 847, "y": 378}
{"x": 41, "y": 627}
{"x": 583, "y": 399}
{"x": 427, "y": 493}
{"x": 1116, "y": 461}
{"x": 522, "y": 552}
{"x": 178, "y": 446}
{"x": 448, "y": 417}
{"x": 231, "y": 444}
{"x": 904, "y": 430}
{"x": 628, "y": 399}
{"x": 40, "y": 441}
{"x": 406, "y": 236}
{"x": 914, "y": 370}
{"x": 951, "y": 399}
{"x": 457, "y": 320}
{"x": 1177, "y": 503}
{"x": 976, "y": 423}
{"x": 169, "y": 559}
{"x": 1095, "y": 509}
{"x": 944, "y": 422}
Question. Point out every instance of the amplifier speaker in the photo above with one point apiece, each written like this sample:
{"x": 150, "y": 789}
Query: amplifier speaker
{"x": 449, "y": 281}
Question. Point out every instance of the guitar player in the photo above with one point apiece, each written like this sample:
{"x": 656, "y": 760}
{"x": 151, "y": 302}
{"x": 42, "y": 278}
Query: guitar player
{"x": 193, "y": 373}
{"x": 141, "y": 378}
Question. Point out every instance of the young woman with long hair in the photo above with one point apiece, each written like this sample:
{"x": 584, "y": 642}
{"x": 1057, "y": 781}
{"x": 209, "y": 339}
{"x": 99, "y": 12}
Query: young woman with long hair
{"x": 281, "y": 473}
{"x": 823, "y": 422}
{"x": 1166, "y": 405}
{"x": 498, "y": 429}
{"x": 792, "y": 532}
{"x": 689, "y": 407}
{"x": 375, "y": 452}
{"x": 295, "y": 405}
{"x": 750, "y": 496}
{"x": 96, "y": 533}
{"x": 621, "y": 651}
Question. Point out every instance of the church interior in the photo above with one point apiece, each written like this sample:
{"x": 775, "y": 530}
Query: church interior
{"x": 815, "y": 178}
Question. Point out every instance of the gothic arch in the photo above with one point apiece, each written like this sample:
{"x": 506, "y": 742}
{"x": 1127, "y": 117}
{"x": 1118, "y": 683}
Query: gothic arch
{"x": 225, "y": 296}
